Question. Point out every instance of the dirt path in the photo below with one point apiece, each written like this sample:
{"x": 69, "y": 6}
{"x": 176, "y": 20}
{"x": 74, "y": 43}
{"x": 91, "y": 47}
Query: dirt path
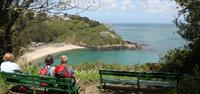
{"x": 91, "y": 87}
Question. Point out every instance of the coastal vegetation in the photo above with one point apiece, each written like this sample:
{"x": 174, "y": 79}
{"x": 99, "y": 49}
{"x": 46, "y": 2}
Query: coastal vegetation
{"x": 89, "y": 70}
{"x": 74, "y": 30}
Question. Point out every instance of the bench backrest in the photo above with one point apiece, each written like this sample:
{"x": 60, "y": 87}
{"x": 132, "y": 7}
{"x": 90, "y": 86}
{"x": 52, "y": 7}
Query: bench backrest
{"x": 167, "y": 80}
{"x": 34, "y": 80}
{"x": 140, "y": 74}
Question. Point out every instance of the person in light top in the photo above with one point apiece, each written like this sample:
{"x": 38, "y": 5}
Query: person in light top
{"x": 9, "y": 65}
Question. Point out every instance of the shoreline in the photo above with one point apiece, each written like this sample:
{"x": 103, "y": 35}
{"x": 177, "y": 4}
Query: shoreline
{"x": 44, "y": 50}
{"x": 49, "y": 49}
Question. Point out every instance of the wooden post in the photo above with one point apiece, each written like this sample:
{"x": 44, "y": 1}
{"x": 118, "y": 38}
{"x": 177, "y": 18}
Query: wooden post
{"x": 177, "y": 84}
{"x": 68, "y": 91}
{"x": 100, "y": 81}
{"x": 100, "y": 87}
{"x": 34, "y": 87}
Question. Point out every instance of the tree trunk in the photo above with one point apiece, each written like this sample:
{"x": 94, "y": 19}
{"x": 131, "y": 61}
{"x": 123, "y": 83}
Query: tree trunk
{"x": 8, "y": 40}
{"x": 9, "y": 32}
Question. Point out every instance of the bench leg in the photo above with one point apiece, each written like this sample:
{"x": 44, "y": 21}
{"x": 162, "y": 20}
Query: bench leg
{"x": 138, "y": 82}
{"x": 101, "y": 87}
{"x": 34, "y": 91}
{"x": 45, "y": 91}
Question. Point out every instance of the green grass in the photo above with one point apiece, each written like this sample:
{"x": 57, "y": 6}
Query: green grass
{"x": 89, "y": 70}
{"x": 87, "y": 75}
{"x": 3, "y": 87}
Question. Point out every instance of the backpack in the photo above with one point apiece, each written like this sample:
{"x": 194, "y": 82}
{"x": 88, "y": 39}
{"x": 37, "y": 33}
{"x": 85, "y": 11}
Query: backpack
{"x": 62, "y": 72}
{"x": 20, "y": 88}
{"x": 45, "y": 71}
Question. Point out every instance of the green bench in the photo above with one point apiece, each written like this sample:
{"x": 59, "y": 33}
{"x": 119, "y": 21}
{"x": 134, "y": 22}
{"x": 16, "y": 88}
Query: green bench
{"x": 166, "y": 80}
{"x": 64, "y": 85}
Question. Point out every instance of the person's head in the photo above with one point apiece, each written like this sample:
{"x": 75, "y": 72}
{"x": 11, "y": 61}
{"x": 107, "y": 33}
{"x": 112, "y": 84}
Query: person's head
{"x": 49, "y": 60}
{"x": 64, "y": 59}
{"x": 8, "y": 57}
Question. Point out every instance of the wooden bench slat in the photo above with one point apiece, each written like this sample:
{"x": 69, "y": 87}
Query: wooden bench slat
{"x": 158, "y": 83}
{"x": 119, "y": 81}
{"x": 135, "y": 74}
{"x": 142, "y": 82}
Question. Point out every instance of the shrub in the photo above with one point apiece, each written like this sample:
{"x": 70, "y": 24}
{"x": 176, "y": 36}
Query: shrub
{"x": 174, "y": 60}
{"x": 190, "y": 85}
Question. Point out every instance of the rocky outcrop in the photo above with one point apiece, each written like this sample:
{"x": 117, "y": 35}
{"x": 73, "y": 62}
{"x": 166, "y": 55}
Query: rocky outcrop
{"x": 115, "y": 47}
{"x": 128, "y": 45}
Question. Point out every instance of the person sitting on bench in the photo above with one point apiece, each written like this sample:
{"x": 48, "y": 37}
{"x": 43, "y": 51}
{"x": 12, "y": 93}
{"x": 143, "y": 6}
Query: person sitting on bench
{"x": 48, "y": 68}
{"x": 9, "y": 65}
{"x": 64, "y": 70}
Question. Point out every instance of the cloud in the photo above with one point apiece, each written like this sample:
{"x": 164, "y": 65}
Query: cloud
{"x": 116, "y": 5}
{"x": 126, "y": 5}
{"x": 148, "y": 6}
{"x": 109, "y": 5}
{"x": 158, "y": 6}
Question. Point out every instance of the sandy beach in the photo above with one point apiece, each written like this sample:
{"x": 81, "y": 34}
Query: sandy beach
{"x": 49, "y": 50}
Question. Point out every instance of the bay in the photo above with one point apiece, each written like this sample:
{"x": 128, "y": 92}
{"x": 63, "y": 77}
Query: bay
{"x": 156, "y": 38}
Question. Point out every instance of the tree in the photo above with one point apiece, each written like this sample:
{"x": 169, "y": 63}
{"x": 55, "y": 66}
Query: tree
{"x": 12, "y": 13}
{"x": 186, "y": 59}
{"x": 188, "y": 22}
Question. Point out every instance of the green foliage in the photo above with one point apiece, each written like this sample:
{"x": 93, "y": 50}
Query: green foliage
{"x": 173, "y": 61}
{"x": 16, "y": 29}
{"x": 16, "y": 15}
{"x": 12, "y": 21}
{"x": 189, "y": 28}
{"x": 89, "y": 70}
{"x": 76, "y": 30}
{"x": 86, "y": 20}
{"x": 92, "y": 75}
{"x": 187, "y": 58}
{"x": 16, "y": 38}
{"x": 3, "y": 87}
{"x": 190, "y": 85}
{"x": 30, "y": 69}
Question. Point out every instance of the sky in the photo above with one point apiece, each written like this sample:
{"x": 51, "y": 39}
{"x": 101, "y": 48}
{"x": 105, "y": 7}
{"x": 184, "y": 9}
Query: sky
{"x": 133, "y": 11}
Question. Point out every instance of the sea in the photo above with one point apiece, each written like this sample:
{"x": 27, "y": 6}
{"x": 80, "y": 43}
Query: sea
{"x": 156, "y": 39}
